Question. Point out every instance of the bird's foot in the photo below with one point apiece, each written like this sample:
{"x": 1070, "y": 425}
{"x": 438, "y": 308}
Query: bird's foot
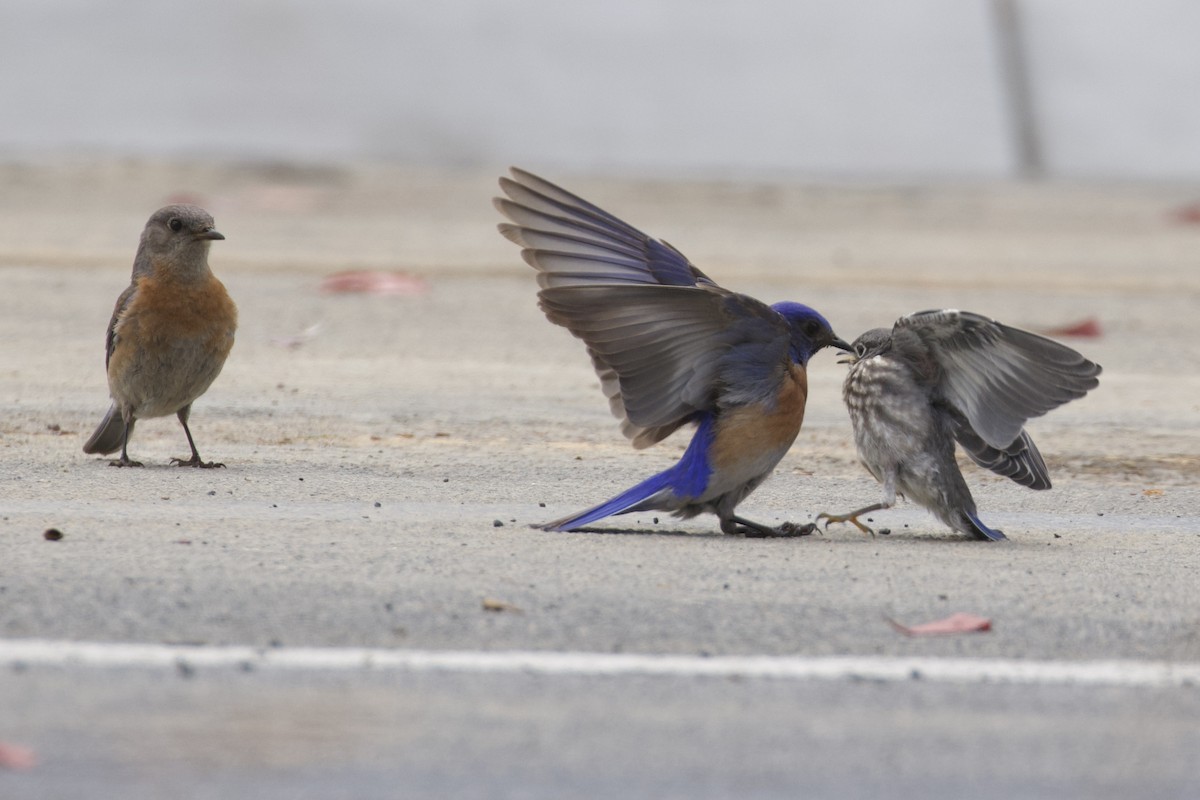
{"x": 752, "y": 530}
{"x": 124, "y": 461}
{"x": 792, "y": 529}
{"x": 195, "y": 461}
{"x": 852, "y": 518}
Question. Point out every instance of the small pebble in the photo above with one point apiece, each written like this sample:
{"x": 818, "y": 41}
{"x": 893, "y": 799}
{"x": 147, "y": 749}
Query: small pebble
{"x": 497, "y": 523}
{"x": 53, "y": 534}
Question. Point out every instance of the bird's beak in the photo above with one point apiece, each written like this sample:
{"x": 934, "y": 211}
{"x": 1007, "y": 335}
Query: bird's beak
{"x": 211, "y": 233}
{"x": 848, "y": 356}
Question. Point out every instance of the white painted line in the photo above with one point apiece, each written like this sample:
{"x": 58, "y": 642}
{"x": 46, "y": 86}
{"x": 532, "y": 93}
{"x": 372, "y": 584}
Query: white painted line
{"x": 101, "y": 655}
{"x": 1144, "y": 674}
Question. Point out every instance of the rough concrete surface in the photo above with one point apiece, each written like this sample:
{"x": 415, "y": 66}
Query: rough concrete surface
{"x": 386, "y": 454}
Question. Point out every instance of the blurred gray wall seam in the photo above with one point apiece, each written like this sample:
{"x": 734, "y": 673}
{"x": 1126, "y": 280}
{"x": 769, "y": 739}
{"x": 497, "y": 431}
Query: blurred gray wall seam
{"x": 869, "y": 88}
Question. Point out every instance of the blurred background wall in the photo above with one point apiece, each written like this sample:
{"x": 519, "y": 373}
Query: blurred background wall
{"x": 919, "y": 89}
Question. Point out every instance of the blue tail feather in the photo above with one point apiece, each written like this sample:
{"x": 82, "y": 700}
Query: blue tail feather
{"x": 983, "y": 531}
{"x": 687, "y": 478}
{"x": 624, "y": 502}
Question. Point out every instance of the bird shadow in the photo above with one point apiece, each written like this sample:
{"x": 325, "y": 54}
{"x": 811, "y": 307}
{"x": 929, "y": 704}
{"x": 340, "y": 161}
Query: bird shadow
{"x": 633, "y": 532}
{"x": 661, "y": 532}
{"x": 902, "y": 535}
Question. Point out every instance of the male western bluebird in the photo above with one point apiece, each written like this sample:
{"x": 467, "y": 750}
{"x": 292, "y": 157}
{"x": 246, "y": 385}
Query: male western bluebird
{"x": 170, "y": 332}
{"x": 671, "y": 347}
{"x": 940, "y": 377}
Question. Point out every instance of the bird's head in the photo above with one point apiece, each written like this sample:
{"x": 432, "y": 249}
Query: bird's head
{"x": 810, "y": 331}
{"x": 871, "y": 343}
{"x": 177, "y": 237}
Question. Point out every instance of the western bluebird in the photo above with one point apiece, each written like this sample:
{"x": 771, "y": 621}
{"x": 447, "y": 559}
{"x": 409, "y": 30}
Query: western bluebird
{"x": 671, "y": 348}
{"x": 170, "y": 332}
{"x": 940, "y": 377}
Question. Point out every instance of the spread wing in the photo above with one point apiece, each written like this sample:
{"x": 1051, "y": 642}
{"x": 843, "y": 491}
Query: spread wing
{"x": 997, "y": 377}
{"x": 110, "y": 338}
{"x": 1020, "y": 461}
{"x": 665, "y": 340}
{"x": 665, "y": 353}
{"x": 571, "y": 242}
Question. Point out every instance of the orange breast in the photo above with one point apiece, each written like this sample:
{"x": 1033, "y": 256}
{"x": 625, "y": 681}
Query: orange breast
{"x": 749, "y": 431}
{"x": 173, "y": 309}
{"x": 168, "y": 322}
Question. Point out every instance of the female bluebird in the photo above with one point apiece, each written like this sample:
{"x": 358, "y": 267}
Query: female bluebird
{"x": 940, "y": 377}
{"x": 671, "y": 348}
{"x": 169, "y": 334}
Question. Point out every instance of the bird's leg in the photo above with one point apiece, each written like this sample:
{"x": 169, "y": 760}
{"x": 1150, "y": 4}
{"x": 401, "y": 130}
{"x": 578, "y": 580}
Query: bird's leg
{"x": 889, "y": 500}
{"x": 852, "y": 517}
{"x": 195, "y": 460}
{"x": 125, "y": 460}
{"x": 752, "y": 530}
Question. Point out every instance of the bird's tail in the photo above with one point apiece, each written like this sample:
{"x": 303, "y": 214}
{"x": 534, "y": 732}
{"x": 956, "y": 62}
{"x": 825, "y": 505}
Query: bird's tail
{"x": 110, "y": 435}
{"x": 980, "y": 530}
{"x": 629, "y": 500}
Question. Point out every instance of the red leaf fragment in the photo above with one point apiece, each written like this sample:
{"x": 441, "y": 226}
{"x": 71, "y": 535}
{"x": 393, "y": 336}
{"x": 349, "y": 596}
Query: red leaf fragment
{"x": 950, "y": 626}
{"x": 186, "y": 198}
{"x": 1084, "y": 329}
{"x": 1188, "y": 215}
{"x": 374, "y": 282}
{"x": 17, "y": 757}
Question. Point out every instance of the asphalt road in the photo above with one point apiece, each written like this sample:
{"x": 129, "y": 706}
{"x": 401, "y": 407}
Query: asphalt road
{"x": 386, "y": 455}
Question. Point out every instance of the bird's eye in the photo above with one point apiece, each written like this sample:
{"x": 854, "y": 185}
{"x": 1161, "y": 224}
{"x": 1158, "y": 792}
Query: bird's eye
{"x": 175, "y": 224}
{"x": 812, "y": 328}
{"x": 860, "y": 350}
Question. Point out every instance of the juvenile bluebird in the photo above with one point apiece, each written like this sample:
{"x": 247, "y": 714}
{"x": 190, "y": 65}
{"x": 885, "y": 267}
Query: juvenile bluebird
{"x": 671, "y": 348}
{"x": 940, "y": 377}
{"x": 170, "y": 332}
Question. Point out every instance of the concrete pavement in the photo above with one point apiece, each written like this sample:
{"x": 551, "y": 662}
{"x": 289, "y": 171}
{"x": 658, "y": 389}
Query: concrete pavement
{"x": 370, "y": 462}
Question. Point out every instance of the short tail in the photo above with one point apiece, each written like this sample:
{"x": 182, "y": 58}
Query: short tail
{"x": 627, "y": 501}
{"x": 980, "y": 530}
{"x": 110, "y": 435}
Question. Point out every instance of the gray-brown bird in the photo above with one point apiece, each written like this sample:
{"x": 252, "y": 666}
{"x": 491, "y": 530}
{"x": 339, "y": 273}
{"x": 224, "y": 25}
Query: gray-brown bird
{"x": 170, "y": 332}
{"x": 940, "y": 377}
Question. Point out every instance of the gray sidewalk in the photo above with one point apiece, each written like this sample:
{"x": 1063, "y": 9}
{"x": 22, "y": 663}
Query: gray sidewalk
{"x": 367, "y": 467}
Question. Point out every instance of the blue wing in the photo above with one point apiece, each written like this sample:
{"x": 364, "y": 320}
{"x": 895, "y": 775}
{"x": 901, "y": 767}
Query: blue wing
{"x": 667, "y": 342}
{"x": 665, "y": 353}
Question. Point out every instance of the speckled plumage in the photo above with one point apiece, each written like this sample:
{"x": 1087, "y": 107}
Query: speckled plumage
{"x": 938, "y": 378}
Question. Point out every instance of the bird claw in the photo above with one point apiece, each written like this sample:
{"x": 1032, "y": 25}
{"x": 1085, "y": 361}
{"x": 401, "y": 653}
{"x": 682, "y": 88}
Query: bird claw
{"x": 788, "y": 530}
{"x": 195, "y": 461}
{"x": 792, "y": 529}
{"x": 851, "y": 518}
{"x": 124, "y": 462}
